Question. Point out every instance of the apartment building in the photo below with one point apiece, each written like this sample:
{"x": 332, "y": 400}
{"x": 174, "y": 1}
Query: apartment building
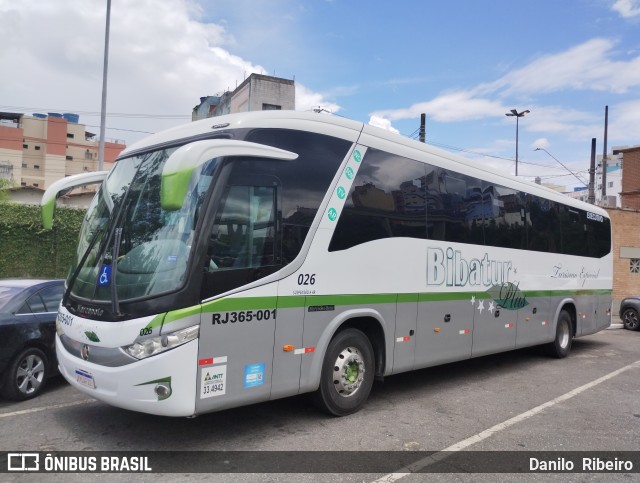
{"x": 37, "y": 150}
{"x": 256, "y": 93}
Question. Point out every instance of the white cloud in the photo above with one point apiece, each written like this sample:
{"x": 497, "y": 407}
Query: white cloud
{"x": 162, "y": 58}
{"x": 587, "y": 66}
{"x": 383, "y": 123}
{"x": 448, "y": 107}
{"x": 306, "y": 99}
{"x": 624, "y": 122}
{"x": 627, "y": 8}
{"x": 541, "y": 143}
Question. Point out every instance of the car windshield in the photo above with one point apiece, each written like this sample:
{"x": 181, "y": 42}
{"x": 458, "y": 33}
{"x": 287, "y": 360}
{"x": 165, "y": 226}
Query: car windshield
{"x": 126, "y": 229}
{"x": 7, "y": 294}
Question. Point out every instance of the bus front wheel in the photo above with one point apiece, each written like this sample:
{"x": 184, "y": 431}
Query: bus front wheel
{"x": 347, "y": 373}
{"x": 561, "y": 346}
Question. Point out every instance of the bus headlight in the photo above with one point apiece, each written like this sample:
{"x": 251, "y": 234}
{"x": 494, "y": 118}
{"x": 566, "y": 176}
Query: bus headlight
{"x": 161, "y": 343}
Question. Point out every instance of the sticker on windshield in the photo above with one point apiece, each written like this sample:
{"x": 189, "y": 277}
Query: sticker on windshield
{"x": 105, "y": 276}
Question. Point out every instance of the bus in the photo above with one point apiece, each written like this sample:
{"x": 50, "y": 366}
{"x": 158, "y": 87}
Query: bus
{"x": 260, "y": 255}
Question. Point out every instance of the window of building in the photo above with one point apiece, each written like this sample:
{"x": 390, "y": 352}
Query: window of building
{"x": 634, "y": 265}
{"x": 610, "y": 184}
{"x": 35, "y": 184}
{"x": 87, "y": 154}
{"x": 24, "y": 165}
{"x": 23, "y": 183}
{"x": 70, "y": 135}
{"x": 25, "y": 146}
{"x": 36, "y": 166}
{"x": 69, "y": 158}
{"x": 270, "y": 107}
{"x": 37, "y": 148}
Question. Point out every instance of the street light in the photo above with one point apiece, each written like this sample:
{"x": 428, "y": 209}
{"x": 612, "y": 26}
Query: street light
{"x": 517, "y": 115}
{"x": 558, "y": 161}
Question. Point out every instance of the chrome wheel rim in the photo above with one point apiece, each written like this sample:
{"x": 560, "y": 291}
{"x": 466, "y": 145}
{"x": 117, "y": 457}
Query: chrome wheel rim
{"x": 631, "y": 319}
{"x": 30, "y": 374}
{"x": 563, "y": 335}
{"x": 348, "y": 372}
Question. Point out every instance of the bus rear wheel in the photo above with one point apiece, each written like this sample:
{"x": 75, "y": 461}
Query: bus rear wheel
{"x": 561, "y": 346}
{"x": 347, "y": 374}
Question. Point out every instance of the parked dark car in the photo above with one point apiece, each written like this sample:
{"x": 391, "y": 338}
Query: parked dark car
{"x": 28, "y": 310}
{"x": 629, "y": 310}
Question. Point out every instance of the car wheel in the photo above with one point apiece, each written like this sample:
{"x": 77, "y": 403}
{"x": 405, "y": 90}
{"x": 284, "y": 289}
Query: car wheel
{"x": 26, "y": 375}
{"x": 347, "y": 374}
{"x": 630, "y": 319}
{"x": 561, "y": 346}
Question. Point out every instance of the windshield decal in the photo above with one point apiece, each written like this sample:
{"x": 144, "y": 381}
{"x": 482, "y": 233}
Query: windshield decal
{"x": 104, "y": 280}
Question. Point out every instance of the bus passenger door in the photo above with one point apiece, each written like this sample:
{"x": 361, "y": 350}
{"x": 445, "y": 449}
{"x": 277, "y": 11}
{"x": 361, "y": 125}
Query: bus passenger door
{"x": 444, "y": 330}
{"x": 287, "y": 345}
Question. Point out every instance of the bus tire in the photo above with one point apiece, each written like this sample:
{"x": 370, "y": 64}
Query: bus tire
{"x": 347, "y": 374}
{"x": 561, "y": 346}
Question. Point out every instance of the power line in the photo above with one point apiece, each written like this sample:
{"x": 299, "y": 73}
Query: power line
{"x": 97, "y": 114}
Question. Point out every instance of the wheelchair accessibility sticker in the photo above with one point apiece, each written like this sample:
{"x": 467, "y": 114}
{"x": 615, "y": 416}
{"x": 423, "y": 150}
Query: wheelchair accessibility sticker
{"x": 105, "y": 276}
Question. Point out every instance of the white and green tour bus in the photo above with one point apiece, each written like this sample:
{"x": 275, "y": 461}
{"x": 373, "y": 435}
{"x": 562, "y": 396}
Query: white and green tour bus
{"x": 261, "y": 255}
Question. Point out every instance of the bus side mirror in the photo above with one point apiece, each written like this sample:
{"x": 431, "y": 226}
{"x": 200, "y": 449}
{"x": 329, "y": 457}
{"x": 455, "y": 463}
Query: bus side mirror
{"x": 178, "y": 169}
{"x": 48, "y": 203}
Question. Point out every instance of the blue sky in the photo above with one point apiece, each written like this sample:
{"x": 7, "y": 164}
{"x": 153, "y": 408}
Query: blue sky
{"x": 465, "y": 63}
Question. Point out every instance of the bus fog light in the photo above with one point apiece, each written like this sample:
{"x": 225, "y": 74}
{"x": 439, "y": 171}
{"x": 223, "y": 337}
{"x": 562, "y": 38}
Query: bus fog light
{"x": 163, "y": 390}
{"x": 156, "y": 345}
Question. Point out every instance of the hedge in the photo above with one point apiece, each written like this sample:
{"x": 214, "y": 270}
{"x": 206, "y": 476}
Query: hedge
{"x": 28, "y": 251}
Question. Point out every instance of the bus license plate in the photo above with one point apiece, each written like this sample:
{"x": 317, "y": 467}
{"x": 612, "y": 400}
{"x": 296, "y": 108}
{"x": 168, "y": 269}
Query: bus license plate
{"x": 85, "y": 378}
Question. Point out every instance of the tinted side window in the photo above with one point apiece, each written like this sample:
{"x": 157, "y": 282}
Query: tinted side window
{"x": 598, "y": 234}
{"x": 304, "y": 181}
{"x": 51, "y": 296}
{"x": 267, "y": 207}
{"x": 387, "y": 199}
{"x": 504, "y": 217}
{"x": 35, "y": 304}
{"x": 457, "y": 205}
{"x": 544, "y": 225}
{"x": 573, "y": 231}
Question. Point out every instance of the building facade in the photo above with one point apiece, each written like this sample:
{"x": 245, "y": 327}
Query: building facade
{"x": 630, "y": 193}
{"x": 257, "y": 93}
{"x": 37, "y": 150}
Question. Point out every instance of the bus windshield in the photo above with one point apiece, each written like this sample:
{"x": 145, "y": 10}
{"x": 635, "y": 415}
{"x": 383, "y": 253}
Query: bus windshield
{"x": 129, "y": 246}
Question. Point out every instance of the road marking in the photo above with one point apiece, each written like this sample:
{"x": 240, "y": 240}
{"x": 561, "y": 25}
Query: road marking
{"x": 37, "y": 410}
{"x": 445, "y": 453}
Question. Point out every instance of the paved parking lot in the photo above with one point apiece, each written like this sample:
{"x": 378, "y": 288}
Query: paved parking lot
{"x": 518, "y": 401}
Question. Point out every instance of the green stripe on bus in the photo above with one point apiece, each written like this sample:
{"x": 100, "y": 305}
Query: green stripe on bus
{"x": 297, "y": 301}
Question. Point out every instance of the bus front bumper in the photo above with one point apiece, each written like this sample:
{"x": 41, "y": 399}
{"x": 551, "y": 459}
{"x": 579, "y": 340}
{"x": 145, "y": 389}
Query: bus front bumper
{"x": 164, "y": 384}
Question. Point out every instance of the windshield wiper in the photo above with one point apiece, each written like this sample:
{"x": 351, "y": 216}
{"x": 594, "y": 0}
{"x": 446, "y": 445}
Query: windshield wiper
{"x": 81, "y": 263}
{"x": 115, "y": 303}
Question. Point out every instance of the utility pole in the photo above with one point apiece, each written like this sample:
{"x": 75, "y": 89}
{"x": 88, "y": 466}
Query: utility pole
{"x": 592, "y": 172}
{"x": 103, "y": 111}
{"x": 604, "y": 155}
{"x": 423, "y": 122}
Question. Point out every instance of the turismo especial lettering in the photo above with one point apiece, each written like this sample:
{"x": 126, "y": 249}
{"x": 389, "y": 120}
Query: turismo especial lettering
{"x": 566, "y": 273}
{"x": 243, "y": 316}
{"x": 450, "y": 268}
